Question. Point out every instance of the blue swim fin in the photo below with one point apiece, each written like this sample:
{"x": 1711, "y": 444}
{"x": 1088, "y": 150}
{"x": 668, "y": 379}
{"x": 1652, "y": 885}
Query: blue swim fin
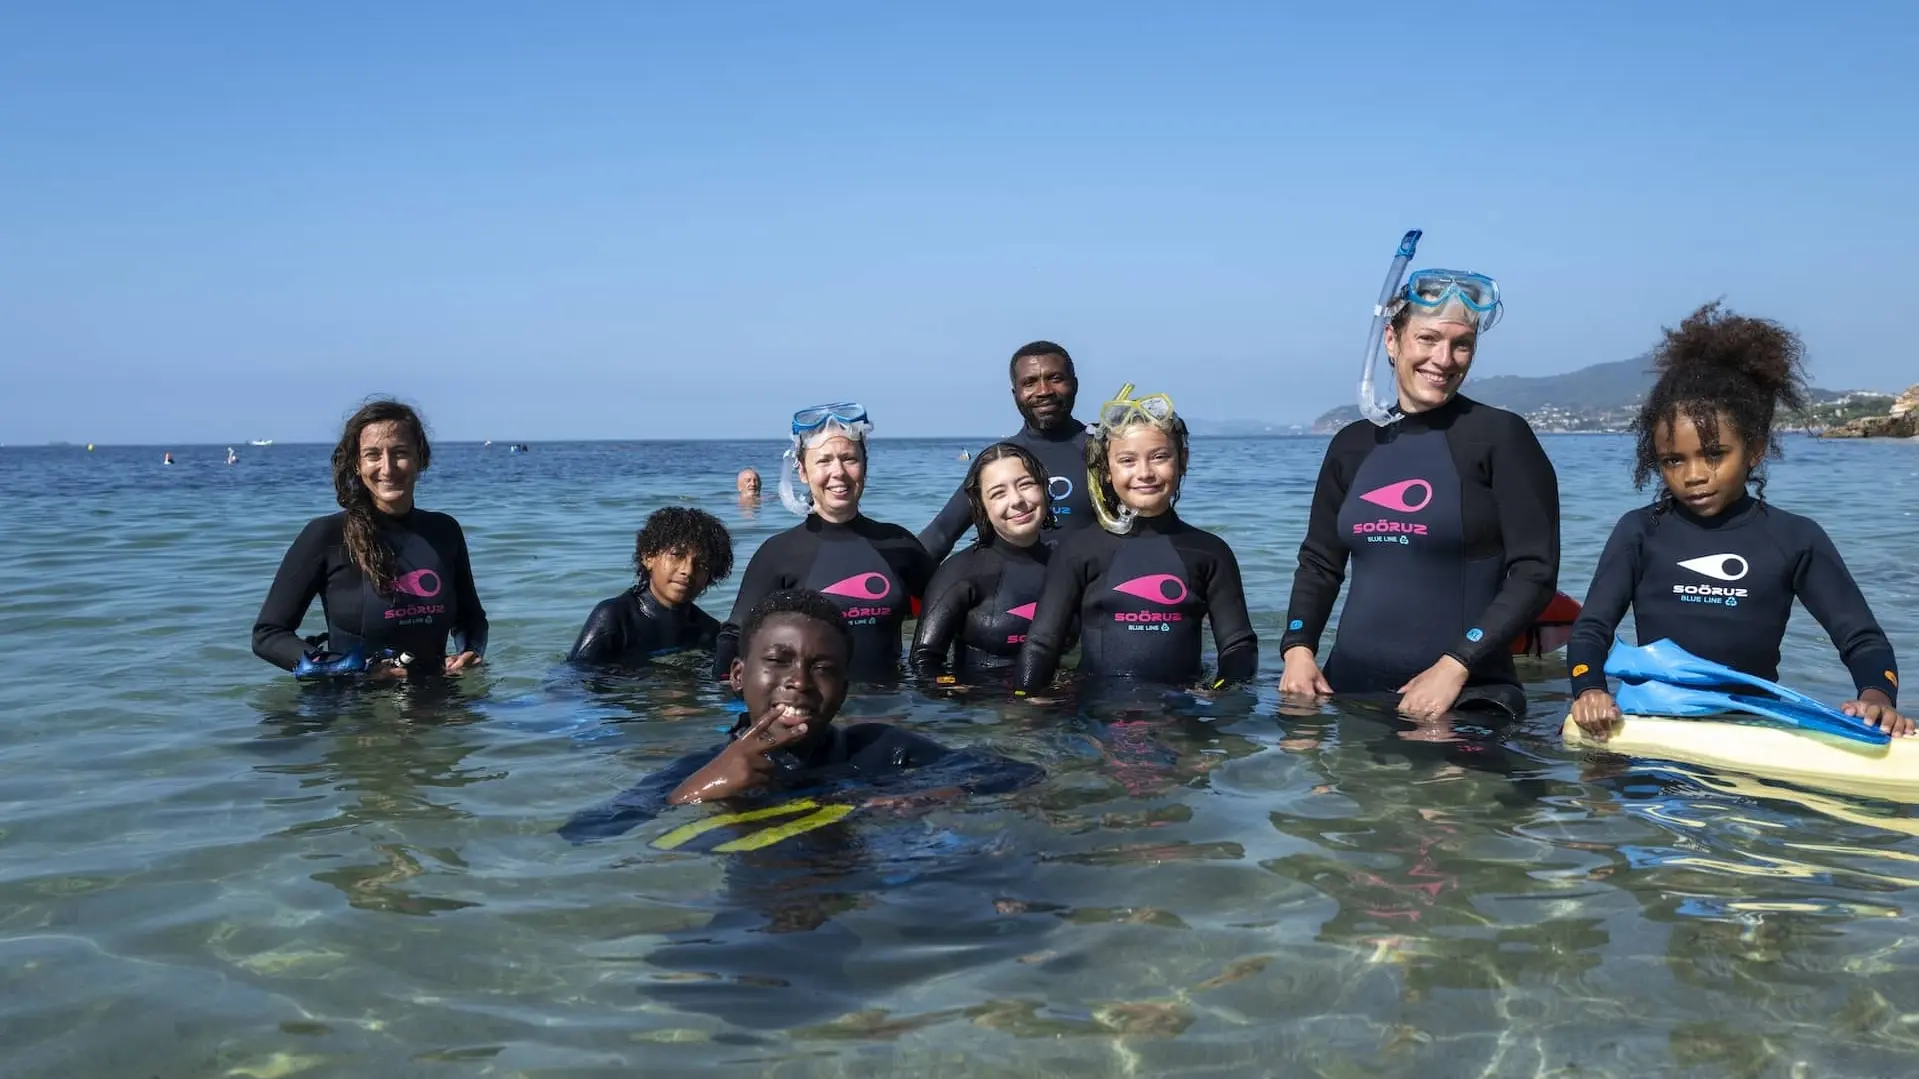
{"x": 1664, "y": 661}
{"x": 1665, "y": 699}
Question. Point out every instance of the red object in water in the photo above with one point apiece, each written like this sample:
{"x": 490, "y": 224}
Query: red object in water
{"x": 1551, "y": 630}
{"x": 913, "y": 603}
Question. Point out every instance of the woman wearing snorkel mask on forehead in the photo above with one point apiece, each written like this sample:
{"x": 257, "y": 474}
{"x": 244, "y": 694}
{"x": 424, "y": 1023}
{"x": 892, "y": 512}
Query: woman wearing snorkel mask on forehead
{"x": 1447, "y": 508}
{"x": 1143, "y": 580}
{"x": 875, "y": 572}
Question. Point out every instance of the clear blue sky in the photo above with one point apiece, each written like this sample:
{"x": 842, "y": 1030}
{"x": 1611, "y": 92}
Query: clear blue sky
{"x": 223, "y": 220}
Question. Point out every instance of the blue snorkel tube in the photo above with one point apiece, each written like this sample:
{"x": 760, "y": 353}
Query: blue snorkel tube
{"x": 1370, "y": 405}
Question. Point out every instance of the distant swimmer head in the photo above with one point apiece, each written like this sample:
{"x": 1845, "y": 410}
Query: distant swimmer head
{"x": 1045, "y": 387}
{"x": 1428, "y": 326}
{"x": 1008, "y": 490}
{"x": 1135, "y": 459}
{"x": 1706, "y": 425}
{"x": 747, "y": 482}
{"x": 379, "y": 458}
{"x": 828, "y": 456}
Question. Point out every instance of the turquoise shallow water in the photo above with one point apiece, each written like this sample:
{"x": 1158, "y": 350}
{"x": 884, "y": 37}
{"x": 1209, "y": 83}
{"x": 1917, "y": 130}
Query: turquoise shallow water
{"x": 206, "y": 870}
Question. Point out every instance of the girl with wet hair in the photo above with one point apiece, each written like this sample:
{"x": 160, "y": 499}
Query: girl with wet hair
{"x": 1711, "y": 565}
{"x": 982, "y": 600}
{"x": 1141, "y": 583}
{"x": 395, "y": 582}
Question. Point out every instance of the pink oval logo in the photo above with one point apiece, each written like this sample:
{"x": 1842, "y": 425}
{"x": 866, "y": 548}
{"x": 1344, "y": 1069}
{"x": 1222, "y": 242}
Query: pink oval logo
{"x": 1398, "y": 496}
{"x": 1161, "y": 588}
{"x": 423, "y": 583}
{"x": 861, "y": 586}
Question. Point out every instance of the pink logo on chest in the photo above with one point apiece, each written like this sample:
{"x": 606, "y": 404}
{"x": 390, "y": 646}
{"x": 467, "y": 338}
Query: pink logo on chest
{"x": 1399, "y": 496}
{"x": 1161, "y": 588}
{"x": 1024, "y": 610}
{"x": 861, "y": 586}
{"x": 423, "y": 583}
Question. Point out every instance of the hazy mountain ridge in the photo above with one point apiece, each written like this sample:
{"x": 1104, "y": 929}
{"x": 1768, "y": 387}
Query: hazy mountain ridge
{"x": 1605, "y": 396}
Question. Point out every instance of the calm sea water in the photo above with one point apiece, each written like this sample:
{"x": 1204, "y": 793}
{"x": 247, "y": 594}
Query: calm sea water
{"x": 208, "y": 870}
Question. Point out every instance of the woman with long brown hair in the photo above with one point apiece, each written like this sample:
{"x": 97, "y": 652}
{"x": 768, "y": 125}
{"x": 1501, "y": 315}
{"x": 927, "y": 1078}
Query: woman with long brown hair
{"x": 394, "y": 581}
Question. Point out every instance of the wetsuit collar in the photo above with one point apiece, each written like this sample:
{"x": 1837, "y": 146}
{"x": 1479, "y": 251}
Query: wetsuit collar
{"x": 1732, "y": 517}
{"x": 1443, "y": 416}
{"x": 815, "y": 523}
{"x": 1035, "y": 553}
{"x": 651, "y": 604}
{"x": 1066, "y": 432}
{"x": 1164, "y": 523}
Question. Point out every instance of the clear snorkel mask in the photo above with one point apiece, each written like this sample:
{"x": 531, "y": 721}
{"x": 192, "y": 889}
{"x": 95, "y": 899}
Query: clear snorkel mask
{"x": 812, "y": 426}
{"x": 1122, "y": 411}
{"x": 1432, "y": 291}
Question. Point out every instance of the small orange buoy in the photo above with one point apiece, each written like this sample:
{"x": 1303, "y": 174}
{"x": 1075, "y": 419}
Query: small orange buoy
{"x": 1551, "y": 630}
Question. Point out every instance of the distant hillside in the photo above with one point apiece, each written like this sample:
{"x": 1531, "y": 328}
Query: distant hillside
{"x": 1615, "y": 385}
{"x": 1604, "y": 397}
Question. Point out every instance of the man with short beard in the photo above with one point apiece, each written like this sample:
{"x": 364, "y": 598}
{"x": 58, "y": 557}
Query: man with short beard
{"x": 1044, "y": 390}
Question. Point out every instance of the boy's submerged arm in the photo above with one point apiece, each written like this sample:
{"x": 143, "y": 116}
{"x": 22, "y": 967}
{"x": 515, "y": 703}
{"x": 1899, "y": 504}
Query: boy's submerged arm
{"x": 637, "y": 804}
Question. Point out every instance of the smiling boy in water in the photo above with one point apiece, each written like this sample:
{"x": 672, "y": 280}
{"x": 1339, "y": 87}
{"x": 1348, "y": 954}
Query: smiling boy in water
{"x": 791, "y": 671}
{"x": 1708, "y": 565}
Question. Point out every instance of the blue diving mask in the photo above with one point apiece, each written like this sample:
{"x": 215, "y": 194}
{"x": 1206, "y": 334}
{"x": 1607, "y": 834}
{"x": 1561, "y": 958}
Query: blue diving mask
{"x": 1432, "y": 290}
{"x": 846, "y": 413}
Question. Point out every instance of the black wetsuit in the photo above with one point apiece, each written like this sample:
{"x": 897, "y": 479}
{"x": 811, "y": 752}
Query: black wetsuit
{"x": 1063, "y": 454}
{"x": 1139, "y": 598}
{"x": 1722, "y": 588}
{"x": 635, "y": 624}
{"x": 978, "y": 609}
{"x": 1451, "y": 520}
{"x": 864, "y": 752}
{"x": 872, "y": 570}
{"x": 433, "y": 597}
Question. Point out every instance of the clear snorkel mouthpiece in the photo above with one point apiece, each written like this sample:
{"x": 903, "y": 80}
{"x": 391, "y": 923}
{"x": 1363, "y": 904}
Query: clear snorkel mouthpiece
{"x": 800, "y": 503}
{"x": 1384, "y": 410}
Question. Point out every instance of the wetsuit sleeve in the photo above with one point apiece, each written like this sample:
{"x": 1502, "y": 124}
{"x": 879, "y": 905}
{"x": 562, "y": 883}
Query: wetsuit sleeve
{"x": 302, "y": 575}
{"x": 1322, "y": 556}
{"x": 1526, "y": 493}
{"x": 470, "y": 635}
{"x": 635, "y": 805}
{"x": 1607, "y": 599}
{"x": 945, "y": 530}
{"x": 602, "y": 639}
{"x": 1830, "y": 594}
{"x": 909, "y": 559}
{"x": 1233, "y": 632}
{"x": 764, "y": 576}
{"x": 1059, "y": 601}
{"x": 948, "y": 600}
{"x": 707, "y": 627}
